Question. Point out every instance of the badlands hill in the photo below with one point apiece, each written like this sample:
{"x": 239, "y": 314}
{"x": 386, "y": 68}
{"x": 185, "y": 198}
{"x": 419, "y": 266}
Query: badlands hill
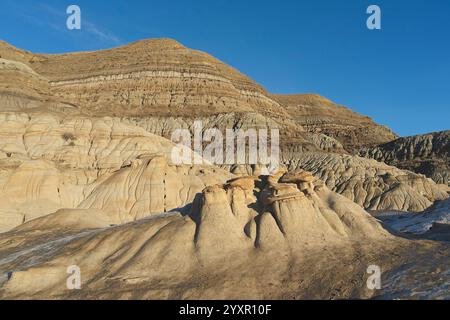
{"x": 70, "y": 121}
{"x": 50, "y": 162}
{"x": 161, "y": 80}
{"x": 86, "y": 179}
{"x": 428, "y": 154}
{"x": 319, "y": 115}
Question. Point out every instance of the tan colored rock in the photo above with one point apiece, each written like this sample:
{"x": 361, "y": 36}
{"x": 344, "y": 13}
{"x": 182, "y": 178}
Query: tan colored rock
{"x": 371, "y": 184}
{"x": 54, "y": 163}
{"x": 428, "y": 154}
{"x": 86, "y": 180}
{"x": 297, "y": 176}
{"x": 161, "y": 85}
{"x": 151, "y": 188}
{"x": 245, "y": 183}
{"x": 228, "y": 234}
{"x": 275, "y": 177}
{"x": 321, "y": 116}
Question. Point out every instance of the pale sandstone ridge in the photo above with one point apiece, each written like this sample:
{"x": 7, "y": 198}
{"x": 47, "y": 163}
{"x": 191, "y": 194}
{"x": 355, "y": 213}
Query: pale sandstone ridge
{"x": 371, "y": 184}
{"x": 428, "y": 154}
{"x": 258, "y": 226}
{"x": 21, "y": 87}
{"x": 50, "y": 162}
{"x": 150, "y": 186}
{"x": 10, "y": 52}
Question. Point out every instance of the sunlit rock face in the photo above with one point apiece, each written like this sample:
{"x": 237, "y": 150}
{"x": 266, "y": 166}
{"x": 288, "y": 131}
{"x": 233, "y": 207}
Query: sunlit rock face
{"x": 87, "y": 179}
{"x": 319, "y": 115}
{"x": 163, "y": 84}
{"x": 265, "y": 223}
{"x": 51, "y": 162}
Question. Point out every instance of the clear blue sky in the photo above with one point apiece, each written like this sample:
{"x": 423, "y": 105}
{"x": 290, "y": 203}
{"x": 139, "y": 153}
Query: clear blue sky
{"x": 399, "y": 76}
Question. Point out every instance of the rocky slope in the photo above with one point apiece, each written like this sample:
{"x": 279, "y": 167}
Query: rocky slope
{"x": 48, "y": 162}
{"x": 87, "y": 179}
{"x": 372, "y": 184}
{"x": 161, "y": 80}
{"x": 319, "y": 115}
{"x": 231, "y": 233}
{"x": 433, "y": 222}
{"x": 58, "y": 127}
{"x": 428, "y": 154}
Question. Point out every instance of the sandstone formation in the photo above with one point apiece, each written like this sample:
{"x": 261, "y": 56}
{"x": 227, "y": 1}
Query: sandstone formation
{"x": 317, "y": 114}
{"x": 50, "y": 162}
{"x": 162, "y": 84}
{"x": 232, "y": 230}
{"x": 372, "y": 184}
{"x": 428, "y": 154}
{"x": 57, "y": 126}
{"x": 151, "y": 186}
{"x": 87, "y": 180}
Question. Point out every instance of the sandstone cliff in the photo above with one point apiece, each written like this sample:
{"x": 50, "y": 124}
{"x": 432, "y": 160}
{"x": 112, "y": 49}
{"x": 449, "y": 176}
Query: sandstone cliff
{"x": 60, "y": 135}
{"x": 86, "y": 179}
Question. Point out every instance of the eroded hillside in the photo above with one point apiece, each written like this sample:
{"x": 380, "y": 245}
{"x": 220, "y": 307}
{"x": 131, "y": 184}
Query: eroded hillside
{"x": 87, "y": 178}
{"x": 428, "y": 154}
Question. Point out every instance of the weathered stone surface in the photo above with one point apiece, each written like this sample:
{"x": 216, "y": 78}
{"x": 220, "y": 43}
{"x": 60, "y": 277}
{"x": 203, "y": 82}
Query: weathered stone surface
{"x": 86, "y": 179}
{"x": 372, "y": 184}
{"x": 428, "y": 154}
{"x": 50, "y": 162}
{"x": 157, "y": 86}
{"x": 319, "y": 115}
{"x": 160, "y": 85}
{"x": 152, "y": 187}
{"x": 227, "y": 232}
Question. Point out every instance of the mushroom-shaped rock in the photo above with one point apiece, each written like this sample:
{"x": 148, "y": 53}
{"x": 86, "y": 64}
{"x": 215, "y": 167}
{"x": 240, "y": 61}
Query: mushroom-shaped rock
{"x": 220, "y": 230}
{"x": 303, "y": 179}
{"x": 297, "y": 176}
{"x": 280, "y": 192}
{"x": 274, "y": 178}
{"x": 245, "y": 183}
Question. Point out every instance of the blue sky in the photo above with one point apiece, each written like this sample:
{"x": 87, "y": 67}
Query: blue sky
{"x": 399, "y": 75}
